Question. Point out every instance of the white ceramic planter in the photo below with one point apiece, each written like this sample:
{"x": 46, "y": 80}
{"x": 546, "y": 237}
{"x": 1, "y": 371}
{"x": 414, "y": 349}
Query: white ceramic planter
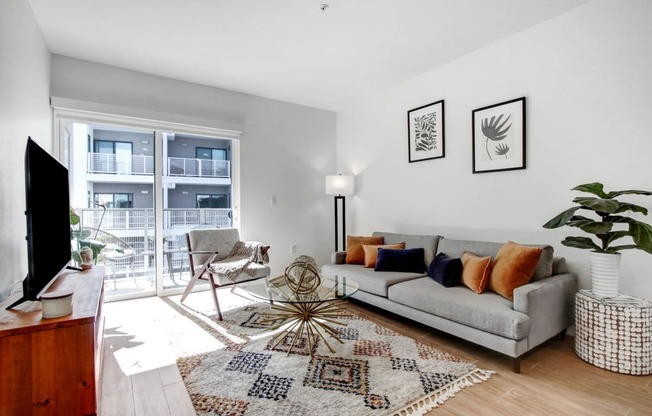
{"x": 605, "y": 273}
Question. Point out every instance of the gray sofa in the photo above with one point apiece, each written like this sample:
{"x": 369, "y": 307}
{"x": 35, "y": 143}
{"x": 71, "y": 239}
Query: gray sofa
{"x": 540, "y": 310}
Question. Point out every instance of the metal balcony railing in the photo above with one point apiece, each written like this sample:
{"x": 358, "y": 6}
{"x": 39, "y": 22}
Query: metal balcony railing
{"x": 116, "y": 164}
{"x": 202, "y": 168}
{"x": 135, "y": 219}
{"x": 144, "y": 165}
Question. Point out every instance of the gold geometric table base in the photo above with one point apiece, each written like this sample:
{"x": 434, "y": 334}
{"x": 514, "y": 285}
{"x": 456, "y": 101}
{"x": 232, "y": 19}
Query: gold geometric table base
{"x": 310, "y": 318}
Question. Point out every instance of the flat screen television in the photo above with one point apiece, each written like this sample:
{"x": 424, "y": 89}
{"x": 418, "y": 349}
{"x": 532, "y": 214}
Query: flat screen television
{"x": 48, "y": 221}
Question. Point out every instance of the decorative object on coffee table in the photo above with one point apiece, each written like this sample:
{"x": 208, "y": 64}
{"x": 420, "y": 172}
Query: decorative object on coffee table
{"x": 609, "y": 229}
{"x": 302, "y": 276}
{"x": 499, "y": 136}
{"x": 614, "y": 334}
{"x": 310, "y": 313}
{"x": 376, "y": 371}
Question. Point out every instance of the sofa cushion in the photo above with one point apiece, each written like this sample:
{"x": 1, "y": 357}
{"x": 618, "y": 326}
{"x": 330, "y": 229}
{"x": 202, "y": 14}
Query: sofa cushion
{"x": 369, "y": 280}
{"x": 475, "y": 271}
{"x": 445, "y": 270}
{"x": 512, "y": 268}
{"x": 407, "y": 260}
{"x": 354, "y": 252}
{"x": 371, "y": 252}
{"x": 427, "y": 242}
{"x": 493, "y": 313}
{"x": 455, "y": 248}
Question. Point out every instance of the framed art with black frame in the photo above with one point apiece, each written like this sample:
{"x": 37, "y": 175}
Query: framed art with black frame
{"x": 426, "y": 132}
{"x": 499, "y": 137}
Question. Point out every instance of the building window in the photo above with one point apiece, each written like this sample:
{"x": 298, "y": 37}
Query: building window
{"x": 113, "y": 148}
{"x": 210, "y": 153}
{"x": 115, "y": 200}
{"x": 212, "y": 201}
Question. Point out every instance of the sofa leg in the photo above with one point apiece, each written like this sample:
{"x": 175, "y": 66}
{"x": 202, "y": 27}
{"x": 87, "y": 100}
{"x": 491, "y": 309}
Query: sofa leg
{"x": 516, "y": 365}
{"x": 562, "y": 335}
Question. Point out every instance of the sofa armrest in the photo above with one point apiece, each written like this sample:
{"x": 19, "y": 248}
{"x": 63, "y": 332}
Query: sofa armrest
{"x": 338, "y": 257}
{"x": 550, "y": 305}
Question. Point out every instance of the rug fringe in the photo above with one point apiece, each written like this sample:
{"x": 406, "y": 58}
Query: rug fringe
{"x": 432, "y": 400}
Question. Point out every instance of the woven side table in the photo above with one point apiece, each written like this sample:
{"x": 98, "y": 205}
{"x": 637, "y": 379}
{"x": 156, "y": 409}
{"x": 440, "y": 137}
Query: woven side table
{"x": 614, "y": 334}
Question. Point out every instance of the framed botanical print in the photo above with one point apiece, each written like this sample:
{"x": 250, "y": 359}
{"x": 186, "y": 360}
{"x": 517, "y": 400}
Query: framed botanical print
{"x": 499, "y": 137}
{"x": 426, "y": 132}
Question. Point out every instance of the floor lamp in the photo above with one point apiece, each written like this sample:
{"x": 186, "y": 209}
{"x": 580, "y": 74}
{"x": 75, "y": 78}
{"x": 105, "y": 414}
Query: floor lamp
{"x": 339, "y": 185}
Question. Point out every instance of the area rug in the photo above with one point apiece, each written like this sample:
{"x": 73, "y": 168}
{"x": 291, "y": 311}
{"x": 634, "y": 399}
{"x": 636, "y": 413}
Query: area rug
{"x": 374, "y": 371}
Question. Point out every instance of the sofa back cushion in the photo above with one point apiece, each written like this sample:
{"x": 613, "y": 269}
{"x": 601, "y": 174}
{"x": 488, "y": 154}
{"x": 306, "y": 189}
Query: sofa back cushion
{"x": 427, "y": 242}
{"x": 455, "y": 248}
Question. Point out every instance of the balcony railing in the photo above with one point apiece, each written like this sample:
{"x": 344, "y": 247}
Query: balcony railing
{"x": 144, "y": 165}
{"x": 202, "y": 168}
{"x": 121, "y": 165}
{"x": 117, "y": 219}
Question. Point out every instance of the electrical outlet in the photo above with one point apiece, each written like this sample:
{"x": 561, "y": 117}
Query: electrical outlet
{"x": 293, "y": 248}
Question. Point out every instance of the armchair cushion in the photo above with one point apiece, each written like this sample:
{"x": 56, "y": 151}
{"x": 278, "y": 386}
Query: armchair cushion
{"x": 220, "y": 240}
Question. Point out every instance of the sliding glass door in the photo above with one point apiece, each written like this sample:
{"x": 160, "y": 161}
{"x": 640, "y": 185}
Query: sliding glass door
{"x": 138, "y": 190}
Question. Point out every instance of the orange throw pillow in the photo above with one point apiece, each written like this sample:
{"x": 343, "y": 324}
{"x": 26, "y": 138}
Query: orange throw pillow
{"x": 513, "y": 267}
{"x": 475, "y": 271}
{"x": 354, "y": 252}
{"x": 371, "y": 252}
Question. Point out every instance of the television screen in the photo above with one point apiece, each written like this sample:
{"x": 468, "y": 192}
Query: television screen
{"x": 48, "y": 220}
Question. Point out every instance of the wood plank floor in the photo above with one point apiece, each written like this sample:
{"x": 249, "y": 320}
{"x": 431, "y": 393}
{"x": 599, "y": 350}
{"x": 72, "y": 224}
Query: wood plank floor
{"x": 140, "y": 377}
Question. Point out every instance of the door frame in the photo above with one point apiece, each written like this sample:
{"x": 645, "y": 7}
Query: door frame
{"x": 63, "y": 116}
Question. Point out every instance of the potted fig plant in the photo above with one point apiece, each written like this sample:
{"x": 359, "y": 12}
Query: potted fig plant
{"x": 609, "y": 227}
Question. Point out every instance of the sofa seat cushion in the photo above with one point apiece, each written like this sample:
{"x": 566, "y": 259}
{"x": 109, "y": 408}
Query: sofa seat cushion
{"x": 369, "y": 280}
{"x": 488, "y": 312}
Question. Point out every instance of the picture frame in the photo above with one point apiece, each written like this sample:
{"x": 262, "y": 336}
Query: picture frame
{"x": 499, "y": 137}
{"x": 426, "y": 132}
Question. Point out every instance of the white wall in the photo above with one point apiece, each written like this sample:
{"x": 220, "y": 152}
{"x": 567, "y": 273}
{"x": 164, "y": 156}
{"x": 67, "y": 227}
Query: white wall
{"x": 286, "y": 149}
{"x": 588, "y": 83}
{"x": 24, "y": 111}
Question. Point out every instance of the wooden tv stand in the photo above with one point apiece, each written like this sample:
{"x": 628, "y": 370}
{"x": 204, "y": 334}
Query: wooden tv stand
{"x": 52, "y": 366}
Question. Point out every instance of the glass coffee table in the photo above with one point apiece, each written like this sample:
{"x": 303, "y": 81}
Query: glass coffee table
{"x": 312, "y": 312}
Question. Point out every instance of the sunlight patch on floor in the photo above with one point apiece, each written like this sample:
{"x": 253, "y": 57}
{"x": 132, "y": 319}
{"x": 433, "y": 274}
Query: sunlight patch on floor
{"x": 161, "y": 340}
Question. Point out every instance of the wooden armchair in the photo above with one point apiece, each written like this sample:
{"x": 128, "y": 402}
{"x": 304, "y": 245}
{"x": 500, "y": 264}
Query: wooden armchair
{"x": 217, "y": 255}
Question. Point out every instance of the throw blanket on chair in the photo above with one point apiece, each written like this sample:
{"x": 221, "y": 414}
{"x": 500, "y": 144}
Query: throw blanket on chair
{"x": 243, "y": 257}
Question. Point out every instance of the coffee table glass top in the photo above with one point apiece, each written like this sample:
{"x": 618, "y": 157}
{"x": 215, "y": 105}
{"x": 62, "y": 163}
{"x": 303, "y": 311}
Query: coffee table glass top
{"x": 277, "y": 290}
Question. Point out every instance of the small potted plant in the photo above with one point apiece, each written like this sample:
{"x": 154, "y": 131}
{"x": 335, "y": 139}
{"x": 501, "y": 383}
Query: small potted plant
{"x": 82, "y": 235}
{"x": 609, "y": 227}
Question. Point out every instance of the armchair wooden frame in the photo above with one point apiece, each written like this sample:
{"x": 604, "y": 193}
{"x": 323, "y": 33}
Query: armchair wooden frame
{"x": 210, "y": 245}
{"x": 199, "y": 274}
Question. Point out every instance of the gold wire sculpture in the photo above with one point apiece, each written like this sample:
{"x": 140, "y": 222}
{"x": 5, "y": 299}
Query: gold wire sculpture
{"x": 302, "y": 277}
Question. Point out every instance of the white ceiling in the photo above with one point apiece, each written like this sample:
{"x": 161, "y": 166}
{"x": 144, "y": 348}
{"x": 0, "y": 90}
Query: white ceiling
{"x": 285, "y": 49}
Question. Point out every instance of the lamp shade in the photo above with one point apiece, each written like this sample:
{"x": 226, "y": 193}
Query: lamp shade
{"x": 339, "y": 185}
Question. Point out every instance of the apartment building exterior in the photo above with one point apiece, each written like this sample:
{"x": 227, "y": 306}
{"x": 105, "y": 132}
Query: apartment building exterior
{"x": 112, "y": 186}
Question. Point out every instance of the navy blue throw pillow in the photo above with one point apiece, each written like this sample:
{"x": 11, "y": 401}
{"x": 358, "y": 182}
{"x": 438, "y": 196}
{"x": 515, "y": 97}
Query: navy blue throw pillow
{"x": 407, "y": 260}
{"x": 445, "y": 270}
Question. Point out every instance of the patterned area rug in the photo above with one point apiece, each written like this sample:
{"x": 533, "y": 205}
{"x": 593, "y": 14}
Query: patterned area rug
{"x": 376, "y": 371}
